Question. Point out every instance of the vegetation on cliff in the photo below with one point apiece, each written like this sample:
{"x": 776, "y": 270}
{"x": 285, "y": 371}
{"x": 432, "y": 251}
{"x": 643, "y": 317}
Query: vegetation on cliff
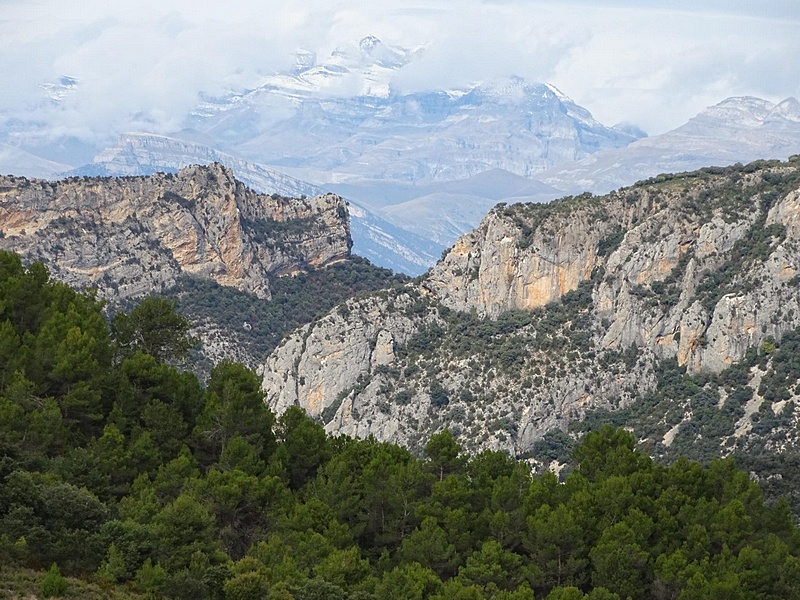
{"x": 547, "y": 313}
{"x": 259, "y": 326}
{"x": 120, "y": 470}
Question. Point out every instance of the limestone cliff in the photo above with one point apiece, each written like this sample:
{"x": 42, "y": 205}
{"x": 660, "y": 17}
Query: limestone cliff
{"x": 547, "y": 311}
{"x": 131, "y": 236}
{"x": 701, "y": 269}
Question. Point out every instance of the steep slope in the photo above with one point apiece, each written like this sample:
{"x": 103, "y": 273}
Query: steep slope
{"x": 738, "y": 129}
{"x": 547, "y": 311}
{"x": 135, "y": 235}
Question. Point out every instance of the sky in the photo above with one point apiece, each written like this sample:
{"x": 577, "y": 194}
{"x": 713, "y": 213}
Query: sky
{"x": 143, "y": 64}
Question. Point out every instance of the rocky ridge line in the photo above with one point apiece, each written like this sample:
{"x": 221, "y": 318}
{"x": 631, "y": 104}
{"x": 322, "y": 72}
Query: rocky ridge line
{"x": 547, "y": 311}
{"x": 132, "y": 236}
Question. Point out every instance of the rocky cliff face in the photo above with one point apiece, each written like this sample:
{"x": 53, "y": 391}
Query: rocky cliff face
{"x": 547, "y": 311}
{"x": 134, "y": 235}
{"x": 700, "y": 270}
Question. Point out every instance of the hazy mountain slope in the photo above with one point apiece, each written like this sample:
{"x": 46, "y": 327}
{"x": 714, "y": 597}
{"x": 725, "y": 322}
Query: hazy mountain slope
{"x": 494, "y": 184}
{"x": 441, "y": 211}
{"x": 584, "y": 299}
{"x": 441, "y": 217}
{"x": 389, "y": 246}
{"x": 442, "y": 135}
{"x": 735, "y": 130}
{"x": 14, "y": 160}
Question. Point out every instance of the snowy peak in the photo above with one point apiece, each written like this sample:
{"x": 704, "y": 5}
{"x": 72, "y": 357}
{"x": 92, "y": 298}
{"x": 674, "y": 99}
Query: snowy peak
{"x": 788, "y": 110}
{"x": 739, "y": 110}
{"x": 304, "y": 60}
{"x": 744, "y": 113}
{"x": 369, "y": 43}
{"x": 739, "y": 129}
{"x": 58, "y": 90}
{"x": 365, "y": 68}
{"x": 559, "y": 94}
{"x": 376, "y": 52}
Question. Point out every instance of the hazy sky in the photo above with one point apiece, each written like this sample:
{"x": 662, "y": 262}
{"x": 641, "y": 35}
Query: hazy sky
{"x": 655, "y": 64}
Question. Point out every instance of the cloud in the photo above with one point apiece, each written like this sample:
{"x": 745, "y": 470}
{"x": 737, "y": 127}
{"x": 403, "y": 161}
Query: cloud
{"x": 143, "y": 64}
{"x": 139, "y": 62}
{"x": 658, "y": 68}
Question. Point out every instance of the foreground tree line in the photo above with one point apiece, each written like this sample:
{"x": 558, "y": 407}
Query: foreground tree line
{"x": 120, "y": 469}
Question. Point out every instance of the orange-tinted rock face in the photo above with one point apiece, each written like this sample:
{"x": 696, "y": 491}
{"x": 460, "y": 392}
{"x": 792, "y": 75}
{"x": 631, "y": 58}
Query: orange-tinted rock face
{"x": 134, "y": 235}
{"x": 686, "y": 269}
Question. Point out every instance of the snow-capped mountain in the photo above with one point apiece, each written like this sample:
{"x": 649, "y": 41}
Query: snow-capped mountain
{"x": 440, "y": 135}
{"x": 739, "y": 129}
{"x": 421, "y": 167}
{"x": 56, "y": 91}
{"x": 364, "y": 69}
{"x": 341, "y": 119}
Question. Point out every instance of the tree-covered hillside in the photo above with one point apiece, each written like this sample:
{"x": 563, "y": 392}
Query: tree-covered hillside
{"x": 257, "y": 326}
{"x": 128, "y": 475}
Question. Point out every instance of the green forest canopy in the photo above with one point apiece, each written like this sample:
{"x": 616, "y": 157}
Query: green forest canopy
{"x": 119, "y": 469}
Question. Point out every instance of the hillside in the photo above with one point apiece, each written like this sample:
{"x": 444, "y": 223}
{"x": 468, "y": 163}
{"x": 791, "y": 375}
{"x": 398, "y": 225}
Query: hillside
{"x": 122, "y": 477}
{"x": 199, "y": 236}
{"x": 547, "y": 312}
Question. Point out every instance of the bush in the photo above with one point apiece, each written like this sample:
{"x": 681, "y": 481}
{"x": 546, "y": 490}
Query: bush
{"x": 53, "y": 584}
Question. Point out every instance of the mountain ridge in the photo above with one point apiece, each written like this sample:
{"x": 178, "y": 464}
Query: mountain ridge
{"x": 738, "y": 129}
{"x": 547, "y": 311}
{"x": 373, "y": 237}
{"x": 132, "y": 235}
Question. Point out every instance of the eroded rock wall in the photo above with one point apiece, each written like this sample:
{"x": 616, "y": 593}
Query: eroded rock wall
{"x": 696, "y": 268}
{"x": 130, "y": 236}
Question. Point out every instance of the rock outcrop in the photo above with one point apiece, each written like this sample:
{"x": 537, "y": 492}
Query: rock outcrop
{"x": 658, "y": 288}
{"x": 547, "y": 311}
{"x": 131, "y": 236}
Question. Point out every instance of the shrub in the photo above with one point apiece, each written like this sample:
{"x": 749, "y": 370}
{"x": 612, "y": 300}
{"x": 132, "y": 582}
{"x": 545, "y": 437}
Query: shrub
{"x": 53, "y": 583}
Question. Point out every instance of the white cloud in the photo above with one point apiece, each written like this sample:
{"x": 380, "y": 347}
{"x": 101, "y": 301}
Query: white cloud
{"x": 142, "y": 64}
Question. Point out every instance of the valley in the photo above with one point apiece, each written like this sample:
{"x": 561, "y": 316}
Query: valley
{"x": 366, "y": 301}
{"x": 561, "y": 363}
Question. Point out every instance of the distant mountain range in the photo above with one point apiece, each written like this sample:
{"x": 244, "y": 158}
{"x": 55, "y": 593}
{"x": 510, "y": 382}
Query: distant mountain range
{"x": 420, "y": 169}
{"x": 738, "y": 129}
{"x": 347, "y": 123}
